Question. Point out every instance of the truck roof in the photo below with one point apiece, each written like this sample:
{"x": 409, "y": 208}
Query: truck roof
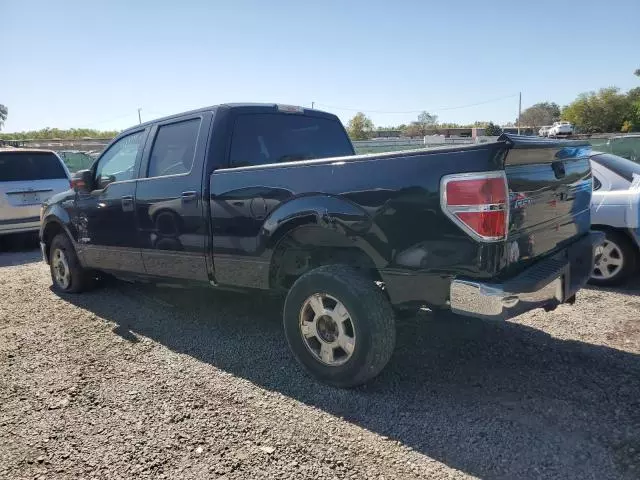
{"x": 235, "y": 106}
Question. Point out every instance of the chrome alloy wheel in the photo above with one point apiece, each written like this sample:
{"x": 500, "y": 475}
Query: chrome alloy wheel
{"x": 610, "y": 261}
{"x": 60, "y": 266}
{"x": 327, "y": 329}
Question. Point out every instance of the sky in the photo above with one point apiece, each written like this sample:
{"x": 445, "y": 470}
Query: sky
{"x": 72, "y": 64}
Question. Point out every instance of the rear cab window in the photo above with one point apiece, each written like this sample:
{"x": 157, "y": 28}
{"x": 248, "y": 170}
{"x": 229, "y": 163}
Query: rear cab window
{"x": 264, "y": 138}
{"x": 174, "y": 148}
{"x": 16, "y": 166}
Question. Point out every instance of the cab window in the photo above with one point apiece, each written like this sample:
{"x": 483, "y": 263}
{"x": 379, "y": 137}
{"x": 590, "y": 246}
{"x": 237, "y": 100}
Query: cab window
{"x": 174, "y": 148}
{"x": 118, "y": 163}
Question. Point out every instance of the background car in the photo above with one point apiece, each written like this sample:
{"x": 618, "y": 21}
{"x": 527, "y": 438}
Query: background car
{"x": 560, "y": 129}
{"x": 76, "y": 160}
{"x": 615, "y": 211}
{"x": 28, "y": 178}
{"x": 544, "y": 131}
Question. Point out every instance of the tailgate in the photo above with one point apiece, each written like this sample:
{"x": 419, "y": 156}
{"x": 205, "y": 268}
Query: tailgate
{"x": 549, "y": 196}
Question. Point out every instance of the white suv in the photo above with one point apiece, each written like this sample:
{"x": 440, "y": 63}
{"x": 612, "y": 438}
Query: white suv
{"x": 28, "y": 178}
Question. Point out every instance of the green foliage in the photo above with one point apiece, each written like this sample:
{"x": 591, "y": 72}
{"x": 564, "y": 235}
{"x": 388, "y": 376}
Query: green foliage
{"x": 360, "y": 127}
{"x": 492, "y": 130}
{"x": 599, "y": 112}
{"x": 637, "y": 72}
{"x": 414, "y": 129}
{"x": 56, "y": 133}
{"x": 4, "y": 111}
{"x": 427, "y": 119}
{"x": 544, "y": 113}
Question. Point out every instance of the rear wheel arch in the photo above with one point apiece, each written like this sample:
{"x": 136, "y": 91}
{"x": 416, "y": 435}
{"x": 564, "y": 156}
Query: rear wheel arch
{"x": 307, "y": 245}
{"x": 609, "y": 228}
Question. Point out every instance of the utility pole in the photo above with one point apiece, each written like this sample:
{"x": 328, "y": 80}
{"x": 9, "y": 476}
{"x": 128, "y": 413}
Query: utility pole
{"x": 139, "y": 117}
{"x": 519, "y": 110}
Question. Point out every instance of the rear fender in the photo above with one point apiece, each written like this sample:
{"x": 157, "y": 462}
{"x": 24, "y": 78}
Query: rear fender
{"x": 349, "y": 224}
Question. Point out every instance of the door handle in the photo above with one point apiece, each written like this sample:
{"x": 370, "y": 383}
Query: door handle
{"x": 127, "y": 203}
{"x": 188, "y": 196}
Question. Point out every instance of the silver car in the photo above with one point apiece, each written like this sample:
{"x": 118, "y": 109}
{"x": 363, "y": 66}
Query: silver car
{"x": 28, "y": 178}
{"x": 615, "y": 209}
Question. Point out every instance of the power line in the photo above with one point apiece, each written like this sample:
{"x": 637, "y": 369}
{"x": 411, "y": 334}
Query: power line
{"x": 418, "y": 111}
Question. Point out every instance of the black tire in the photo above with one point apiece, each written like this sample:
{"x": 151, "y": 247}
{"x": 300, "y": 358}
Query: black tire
{"x": 629, "y": 260}
{"x": 370, "y": 313}
{"x": 80, "y": 278}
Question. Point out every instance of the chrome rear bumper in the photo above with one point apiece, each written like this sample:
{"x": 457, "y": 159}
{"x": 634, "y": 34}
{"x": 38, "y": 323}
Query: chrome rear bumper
{"x": 547, "y": 284}
{"x": 494, "y": 302}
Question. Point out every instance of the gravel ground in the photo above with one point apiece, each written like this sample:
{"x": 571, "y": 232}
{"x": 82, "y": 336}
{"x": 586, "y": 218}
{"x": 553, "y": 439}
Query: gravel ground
{"x": 135, "y": 381}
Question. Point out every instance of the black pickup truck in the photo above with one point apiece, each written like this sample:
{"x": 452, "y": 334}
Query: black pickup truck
{"x": 272, "y": 197}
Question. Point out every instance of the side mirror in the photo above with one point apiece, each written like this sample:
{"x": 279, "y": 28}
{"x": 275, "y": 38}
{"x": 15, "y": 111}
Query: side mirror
{"x": 105, "y": 180}
{"x": 82, "y": 181}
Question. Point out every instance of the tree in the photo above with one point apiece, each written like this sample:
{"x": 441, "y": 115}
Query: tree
{"x": 492, "y": 130}
{"x": 360, "y": 127}
{"x": 415, "y": 129}
{"x": 4, "y": 111}
{"x": 599, "y": 112}
{"x": 51, "y": 133}
{"x": 427, "y": 119}
{"x": 637, "y": 72}
{"x": 544, "y": 113}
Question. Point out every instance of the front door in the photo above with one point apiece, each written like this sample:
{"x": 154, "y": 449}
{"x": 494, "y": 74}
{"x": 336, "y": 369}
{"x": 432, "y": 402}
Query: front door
{"x": 171, "y": 216}
{"x": 106, "y": 220}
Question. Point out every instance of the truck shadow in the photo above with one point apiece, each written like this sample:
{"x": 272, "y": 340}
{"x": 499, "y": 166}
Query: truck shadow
{"x": 496, "y": 400}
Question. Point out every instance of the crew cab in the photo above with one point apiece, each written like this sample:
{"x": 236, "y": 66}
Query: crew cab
{"x": 272, "y": 197}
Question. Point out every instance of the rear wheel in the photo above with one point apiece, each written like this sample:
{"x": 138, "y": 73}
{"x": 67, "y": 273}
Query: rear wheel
{"x": 339, "y": 325}
{"x": 66, "y": 272}
{"x": 617, "y": 260}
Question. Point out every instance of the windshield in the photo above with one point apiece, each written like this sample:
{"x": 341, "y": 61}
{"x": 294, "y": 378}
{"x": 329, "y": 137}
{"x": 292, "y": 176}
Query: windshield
{"x": 22, "y": 166}
{"x": 621, "y": 166}
{"x": 260, "y": 139}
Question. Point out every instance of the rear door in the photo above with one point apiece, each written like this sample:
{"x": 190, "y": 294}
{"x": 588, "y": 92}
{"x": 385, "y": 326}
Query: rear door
{"x": 172, "y": 228}
{"x": 28, "y": 178}
{"x": 550, "y": 187}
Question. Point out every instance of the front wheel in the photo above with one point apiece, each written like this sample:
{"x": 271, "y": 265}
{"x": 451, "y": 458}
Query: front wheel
{"x": 339, "y": 325}
{"x": 66, "y": 272}
{"x": 616, "y": 262}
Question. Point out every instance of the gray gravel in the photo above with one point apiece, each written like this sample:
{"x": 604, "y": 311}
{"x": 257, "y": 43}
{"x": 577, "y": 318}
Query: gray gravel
{"x": 135, "y": 381}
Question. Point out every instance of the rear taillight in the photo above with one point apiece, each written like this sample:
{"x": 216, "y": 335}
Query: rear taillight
{"x": 478, "y": 203}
